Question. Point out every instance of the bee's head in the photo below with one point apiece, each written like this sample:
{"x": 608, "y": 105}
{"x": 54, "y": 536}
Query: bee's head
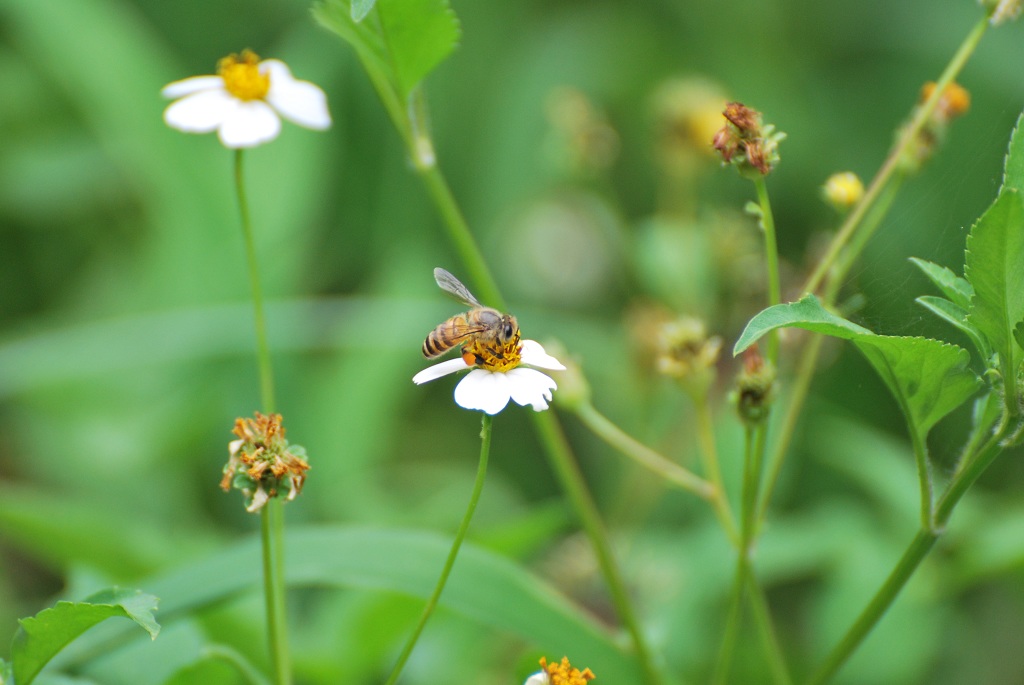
{"x": 509, "y": 329}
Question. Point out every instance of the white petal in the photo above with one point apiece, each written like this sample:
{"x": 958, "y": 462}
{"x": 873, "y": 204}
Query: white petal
{"x": 530, "y": 387}
{"x": 539, "y": 678}
{"x": 437, "y": 370}
{"x": 201, "y": 112}
{"x": 300, "y": 102}
{"x": 249, "y": 124}
{"x": 534, "y": 355}
{"x": 483, "y": 391}
{"x": 234, "y": 446}
{"x": 195, "y": 84}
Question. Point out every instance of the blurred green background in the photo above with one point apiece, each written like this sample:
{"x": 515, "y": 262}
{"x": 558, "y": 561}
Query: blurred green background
{"x": 126, "y": 347}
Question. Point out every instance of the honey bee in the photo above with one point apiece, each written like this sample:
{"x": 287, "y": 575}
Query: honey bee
{"x": 488, "y": 337}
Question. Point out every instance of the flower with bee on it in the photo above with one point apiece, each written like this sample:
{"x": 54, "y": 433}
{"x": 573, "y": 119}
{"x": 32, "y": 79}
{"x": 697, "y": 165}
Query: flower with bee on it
{"x": 493, "y": 349}
{"x": 261, "y": 463}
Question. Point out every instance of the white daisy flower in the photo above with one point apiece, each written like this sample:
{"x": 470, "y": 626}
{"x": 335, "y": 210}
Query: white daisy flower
{"x": 538, "y": 678}
{"x": 245, "y": 101}
{"x": 490, "y": 390}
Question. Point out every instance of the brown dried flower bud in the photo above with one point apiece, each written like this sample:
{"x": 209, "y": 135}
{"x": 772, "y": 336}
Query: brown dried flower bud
{"x": 745, "y": 130}
{"x": 261, "y": 463}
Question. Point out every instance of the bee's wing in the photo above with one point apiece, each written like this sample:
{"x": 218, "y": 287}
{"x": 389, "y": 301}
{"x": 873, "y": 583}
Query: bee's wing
{"x": 453, "y": 286}
{"x": 457, "y": 331}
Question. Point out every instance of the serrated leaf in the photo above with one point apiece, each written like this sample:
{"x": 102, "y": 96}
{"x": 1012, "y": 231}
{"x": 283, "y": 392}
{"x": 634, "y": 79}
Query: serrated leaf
{"x": 1013, "y": 173}
{"x": 42, "y": 636}
{"x": 995, "y": 267}
{"x": 928, "y": 378}
{"x": 400, "y": 41}
{"x": 956, "y": 315}
{"x": 360, "y": 8}
{"x": 952, "y": 286}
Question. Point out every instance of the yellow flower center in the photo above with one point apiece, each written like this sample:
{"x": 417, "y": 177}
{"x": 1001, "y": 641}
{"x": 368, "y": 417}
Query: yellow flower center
{"x": 492, "y": 355}
{"x": 242, "y": 77}
{"x": 564, "y": 674}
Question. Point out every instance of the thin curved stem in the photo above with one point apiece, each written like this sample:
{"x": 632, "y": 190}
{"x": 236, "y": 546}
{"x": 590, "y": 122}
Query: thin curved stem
{"x": 643, "y": 455}
{"x": 460, "y": 535}
{"x": 271, "y": 515}
{"x": 558, "y": 450}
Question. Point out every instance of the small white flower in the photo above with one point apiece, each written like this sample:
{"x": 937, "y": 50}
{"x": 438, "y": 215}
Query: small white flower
{"x": 489, "y": 391}
{"x": 245, "y": 101}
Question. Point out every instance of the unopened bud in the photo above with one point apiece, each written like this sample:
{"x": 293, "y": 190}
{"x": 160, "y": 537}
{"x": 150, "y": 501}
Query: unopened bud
{"x": 843, "y": 190}
{"x": 755, "y": 388}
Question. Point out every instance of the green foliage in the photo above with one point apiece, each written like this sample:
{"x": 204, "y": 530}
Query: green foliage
{"x": 957, "y": 316}
{"x": 126, "y": 345}
{"x": 957, "y": 289}
{"x": 399, "y": 42}
{"x": 42, "y": 636}
{"x": 1013, "y": 173}
{"x": 994, "y": 261}
{"x": 927, "y": 377}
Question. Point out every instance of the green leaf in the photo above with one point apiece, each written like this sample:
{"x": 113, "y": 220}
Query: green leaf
{"x": 44, "y": 635}
{"x": 956, "y": 315}
{"x": 1013, "y": 174}
{"x": 995, "y": 267}
{"x": 360, "y": 8}
{"x": 484, "y": 587}
{"x": 952, "y": 286}
{"x": 401, "y": 41}
{"x": 928, "y": 378}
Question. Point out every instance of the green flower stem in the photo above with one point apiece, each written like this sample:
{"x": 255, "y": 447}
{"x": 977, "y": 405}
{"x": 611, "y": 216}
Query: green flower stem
{"x": 460, "y": 535}
{"x": 753, "y": 462}
{"x": 557, "y": 447}
{"x": 972, "y": 469}
{"x": 545, "y": 423}
{"x": 771, "y": 253}
{"x": 732, "y": 625}
{"x": 753, "y": 450}
{"x": 272, "y": 536}
{"x": 880, "y": 603}
{"x": 603, "y": 428}
{"x": 801, "y": 384}
{"x": 915, "y": 553}
{"x": 846, "y": 231}
{"x": 262, "y": 349}
{"x": 709, "y": 454}
{"x": 870, "y": 224}
{"x": 763, "y": 621}
{"x": 924, "y": 475}
{"x": 271, "y": 516}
